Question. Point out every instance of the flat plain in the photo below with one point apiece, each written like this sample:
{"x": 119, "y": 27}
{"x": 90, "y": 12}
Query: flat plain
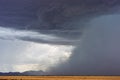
{"x": 59, "y": 77}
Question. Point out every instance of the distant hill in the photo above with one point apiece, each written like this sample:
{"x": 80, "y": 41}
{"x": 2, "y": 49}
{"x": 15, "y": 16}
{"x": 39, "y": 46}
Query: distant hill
{"x": 11, "y": 74}
{"x": 27, "y": 73}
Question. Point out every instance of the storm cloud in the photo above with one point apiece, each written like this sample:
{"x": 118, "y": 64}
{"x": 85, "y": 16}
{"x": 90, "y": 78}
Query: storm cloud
{"x": 88, "y": 25}
{"x": 53, "y": 15}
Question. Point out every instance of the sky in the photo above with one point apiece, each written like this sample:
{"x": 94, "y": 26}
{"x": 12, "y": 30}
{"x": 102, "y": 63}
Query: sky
{"x": 60, "y": 37}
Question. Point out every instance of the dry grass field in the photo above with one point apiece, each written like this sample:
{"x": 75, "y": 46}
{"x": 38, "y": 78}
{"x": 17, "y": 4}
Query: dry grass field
{"x": 59, "y": 77}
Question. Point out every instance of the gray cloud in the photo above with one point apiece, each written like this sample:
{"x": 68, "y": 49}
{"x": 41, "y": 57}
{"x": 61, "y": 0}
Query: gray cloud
{"x": 31, "y": 36}
{"x": 98, "y": 51}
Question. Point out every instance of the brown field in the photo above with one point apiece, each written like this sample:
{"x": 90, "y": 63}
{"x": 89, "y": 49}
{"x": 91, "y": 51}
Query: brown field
{"x": 59, "y": 77}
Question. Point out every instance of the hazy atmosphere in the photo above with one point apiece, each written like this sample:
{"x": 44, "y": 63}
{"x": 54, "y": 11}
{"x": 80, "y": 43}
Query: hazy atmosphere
{"x": 60, "y": 37}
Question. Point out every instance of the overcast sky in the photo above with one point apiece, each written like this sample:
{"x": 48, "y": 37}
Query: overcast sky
{"x": 60, "y": 37}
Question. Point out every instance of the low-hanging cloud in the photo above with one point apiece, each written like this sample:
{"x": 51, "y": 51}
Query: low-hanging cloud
{"x": 12, "y": 34}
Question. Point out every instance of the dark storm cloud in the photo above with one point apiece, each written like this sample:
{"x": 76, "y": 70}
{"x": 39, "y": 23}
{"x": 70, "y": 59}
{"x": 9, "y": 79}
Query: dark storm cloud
{"x": 17, "y": 14}
{"x": 52, "y": 14}
{"x": 64, "y": 16}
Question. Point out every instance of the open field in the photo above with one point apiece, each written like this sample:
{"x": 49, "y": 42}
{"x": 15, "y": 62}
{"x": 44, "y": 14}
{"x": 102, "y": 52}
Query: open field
{"x": 59, "y": 77}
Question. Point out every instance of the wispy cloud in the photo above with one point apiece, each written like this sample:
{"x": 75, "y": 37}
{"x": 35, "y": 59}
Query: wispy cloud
{"x": 12, "y": 34}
